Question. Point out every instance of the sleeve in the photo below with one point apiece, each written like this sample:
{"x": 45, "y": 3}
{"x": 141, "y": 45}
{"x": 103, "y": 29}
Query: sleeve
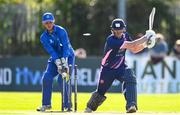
{"x": 106, "y": 47}
{"x": 65, "y": 43}
{"x": 48, "y": 48}
{"x": 128, "y": 37}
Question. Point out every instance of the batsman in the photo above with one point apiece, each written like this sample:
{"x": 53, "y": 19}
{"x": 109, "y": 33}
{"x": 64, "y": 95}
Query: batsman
{"x": 113, "y": 65}
{"x": 55, "y": 41}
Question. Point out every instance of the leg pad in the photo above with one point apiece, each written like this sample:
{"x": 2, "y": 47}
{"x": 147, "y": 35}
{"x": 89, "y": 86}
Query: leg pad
{"x": 95, "y": 101}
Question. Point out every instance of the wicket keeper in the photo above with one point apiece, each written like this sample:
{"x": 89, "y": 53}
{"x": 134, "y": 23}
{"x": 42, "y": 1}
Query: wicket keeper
{"x": 55, "y": 41}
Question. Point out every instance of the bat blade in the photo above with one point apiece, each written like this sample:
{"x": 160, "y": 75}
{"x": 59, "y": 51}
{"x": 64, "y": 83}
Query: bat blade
{"x": 151, "y": 18}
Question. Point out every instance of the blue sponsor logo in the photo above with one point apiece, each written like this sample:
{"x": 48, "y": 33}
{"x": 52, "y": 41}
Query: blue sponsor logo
{"x": 25, "y": 76}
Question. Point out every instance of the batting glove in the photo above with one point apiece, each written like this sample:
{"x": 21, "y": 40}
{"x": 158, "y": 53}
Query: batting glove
{"x": 151, "y": 36}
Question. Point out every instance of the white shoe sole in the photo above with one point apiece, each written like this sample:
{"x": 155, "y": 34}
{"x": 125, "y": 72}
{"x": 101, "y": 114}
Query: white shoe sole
{"x": 132, "y": 109}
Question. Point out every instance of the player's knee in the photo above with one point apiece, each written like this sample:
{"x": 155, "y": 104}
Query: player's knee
{"x": 130, "y": 76}
{"x": 95, "y": 101}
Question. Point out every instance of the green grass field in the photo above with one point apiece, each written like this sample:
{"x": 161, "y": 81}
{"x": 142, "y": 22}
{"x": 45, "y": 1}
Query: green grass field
{"x": 11, "y": 102}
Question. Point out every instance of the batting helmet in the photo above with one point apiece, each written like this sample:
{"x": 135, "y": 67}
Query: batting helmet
{"x": 48, "y": 17}
{"x": 118, "y": 24}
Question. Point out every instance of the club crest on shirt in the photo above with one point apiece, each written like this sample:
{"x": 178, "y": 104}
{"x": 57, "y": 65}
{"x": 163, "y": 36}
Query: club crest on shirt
{"x": 51, "y": 41}
{"x": 120, "y": 52}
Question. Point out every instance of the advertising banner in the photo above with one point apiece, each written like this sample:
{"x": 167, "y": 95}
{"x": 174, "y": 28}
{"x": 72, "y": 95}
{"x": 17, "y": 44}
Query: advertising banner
{"x": 25, "y": 73}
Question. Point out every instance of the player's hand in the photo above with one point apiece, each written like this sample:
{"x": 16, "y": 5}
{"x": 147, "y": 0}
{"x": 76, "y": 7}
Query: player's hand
{"x": 151, "y": 36}
{"x": 65, "y": 72}
{"x": 58, "y": 64}
{"x": 62, "y": 65}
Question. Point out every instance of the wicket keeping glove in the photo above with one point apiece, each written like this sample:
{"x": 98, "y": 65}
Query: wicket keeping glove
{"x": 151, "y": 36}
{"x": 62, "y": 67}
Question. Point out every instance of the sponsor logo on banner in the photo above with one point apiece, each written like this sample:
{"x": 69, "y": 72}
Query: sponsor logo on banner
{"x": 163, "y": 77}
{"x": 5, "y": 76}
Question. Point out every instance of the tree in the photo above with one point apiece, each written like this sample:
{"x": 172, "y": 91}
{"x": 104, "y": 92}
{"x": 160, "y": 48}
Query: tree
{"x": 21, "y": 22}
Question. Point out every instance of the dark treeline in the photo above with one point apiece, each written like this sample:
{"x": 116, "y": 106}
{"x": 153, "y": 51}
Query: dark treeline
{"x": 21, "y": 27}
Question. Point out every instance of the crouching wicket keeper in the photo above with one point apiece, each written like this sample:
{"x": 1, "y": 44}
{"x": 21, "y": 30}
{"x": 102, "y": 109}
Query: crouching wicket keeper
{"x": 55, "y": 41}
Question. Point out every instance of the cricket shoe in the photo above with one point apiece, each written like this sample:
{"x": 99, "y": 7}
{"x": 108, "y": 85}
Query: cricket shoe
{"x": 88, "y": 110}
{"x": 68, "y": 109}
{"x": 44, "y": 108}
{"x": 131, "y": 109}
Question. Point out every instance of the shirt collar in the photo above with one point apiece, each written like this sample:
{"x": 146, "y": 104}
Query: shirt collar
{"x": 123, "y": 36}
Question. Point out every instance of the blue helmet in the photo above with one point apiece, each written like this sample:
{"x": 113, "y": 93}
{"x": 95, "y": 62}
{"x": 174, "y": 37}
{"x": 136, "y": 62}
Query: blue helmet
{"x": 118, "y": 24}
{"x": 48, "y": 17}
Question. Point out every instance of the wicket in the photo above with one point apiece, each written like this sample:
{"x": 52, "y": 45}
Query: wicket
{"x": 70, "y": 88}
{"x": 75, "y": 88}
{"x": 63, "y": 92}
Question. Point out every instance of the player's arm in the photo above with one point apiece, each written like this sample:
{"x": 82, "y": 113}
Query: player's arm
{"x": 136, "y": 45}
{"x": 106, "y": 48}
{"x": 49, "y": 48}
{"x": 138, "y": 48}
{"x": 63, "y": 62}
{"x": 139, "y": 44}
{"x": 65, "y": 43}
